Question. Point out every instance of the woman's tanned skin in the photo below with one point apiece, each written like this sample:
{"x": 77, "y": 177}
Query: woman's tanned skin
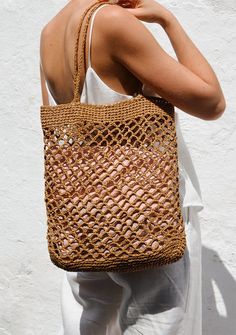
{"x": 125, "y": 55}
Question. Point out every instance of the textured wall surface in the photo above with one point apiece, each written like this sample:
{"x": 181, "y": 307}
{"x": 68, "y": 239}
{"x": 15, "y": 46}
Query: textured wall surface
{"x": 29, "y": 283}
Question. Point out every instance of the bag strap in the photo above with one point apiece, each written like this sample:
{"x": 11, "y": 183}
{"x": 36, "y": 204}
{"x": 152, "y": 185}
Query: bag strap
{"x": 79, "y": 62}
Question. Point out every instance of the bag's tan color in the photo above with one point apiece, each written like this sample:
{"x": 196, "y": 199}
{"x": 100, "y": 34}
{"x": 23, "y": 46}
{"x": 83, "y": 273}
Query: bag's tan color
{"x": 111, "y": 181}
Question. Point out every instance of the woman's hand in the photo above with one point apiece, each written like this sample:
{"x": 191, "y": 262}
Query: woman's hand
{"x": 147, "y": 10}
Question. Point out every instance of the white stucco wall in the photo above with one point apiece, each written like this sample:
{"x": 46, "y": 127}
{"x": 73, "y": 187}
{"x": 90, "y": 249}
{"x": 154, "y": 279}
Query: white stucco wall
{"x": 29, "y": 282}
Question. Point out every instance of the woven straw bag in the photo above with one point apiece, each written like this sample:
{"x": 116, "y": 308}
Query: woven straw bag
{"x": 111, "y": 181}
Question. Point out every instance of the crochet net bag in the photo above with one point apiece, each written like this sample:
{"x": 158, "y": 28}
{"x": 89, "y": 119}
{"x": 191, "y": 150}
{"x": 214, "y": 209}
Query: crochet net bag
{"x": 111, "y": 181}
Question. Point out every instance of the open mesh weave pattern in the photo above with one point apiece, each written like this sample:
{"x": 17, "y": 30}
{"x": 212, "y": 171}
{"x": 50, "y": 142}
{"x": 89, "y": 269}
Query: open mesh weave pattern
{"x": 112, "y": 185}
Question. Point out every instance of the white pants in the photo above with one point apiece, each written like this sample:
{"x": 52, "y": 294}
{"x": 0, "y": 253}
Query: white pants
{"x": 161, "y": 301}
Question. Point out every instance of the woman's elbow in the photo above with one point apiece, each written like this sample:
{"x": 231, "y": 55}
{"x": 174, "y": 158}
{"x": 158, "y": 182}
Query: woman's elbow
{"x": 216, "y": 110}
{"x": 213, "y": 104}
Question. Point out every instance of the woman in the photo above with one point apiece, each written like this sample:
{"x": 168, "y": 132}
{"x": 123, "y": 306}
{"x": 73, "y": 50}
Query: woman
{"x": 123, "y": 58}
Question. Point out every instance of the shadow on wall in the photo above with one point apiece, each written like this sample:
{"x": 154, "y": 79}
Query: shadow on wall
{"x": 218, "y": 296}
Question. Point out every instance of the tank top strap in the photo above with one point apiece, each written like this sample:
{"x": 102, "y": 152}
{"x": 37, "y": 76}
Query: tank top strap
{"x": 90, "y": 33}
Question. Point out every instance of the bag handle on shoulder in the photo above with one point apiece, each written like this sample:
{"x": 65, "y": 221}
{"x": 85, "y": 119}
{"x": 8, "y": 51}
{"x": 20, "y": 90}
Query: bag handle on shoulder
{"x": 79, "y": 63}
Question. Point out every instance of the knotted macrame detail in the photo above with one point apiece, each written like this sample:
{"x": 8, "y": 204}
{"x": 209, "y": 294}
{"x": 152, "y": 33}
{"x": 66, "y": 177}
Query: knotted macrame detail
{"x": 112, "y": 187}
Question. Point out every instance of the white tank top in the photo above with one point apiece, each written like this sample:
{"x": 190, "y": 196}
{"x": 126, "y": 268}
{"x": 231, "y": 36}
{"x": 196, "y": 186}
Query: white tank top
{"x": 97, "y": 92}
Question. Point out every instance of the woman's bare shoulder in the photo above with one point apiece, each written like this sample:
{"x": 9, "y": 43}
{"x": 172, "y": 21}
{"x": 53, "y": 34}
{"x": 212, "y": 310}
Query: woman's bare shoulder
{"x": 112, "y": 13}
{"x": 61, "y": 20}
{"x": 107, "y": 13}
{"x": 116, "y": 22}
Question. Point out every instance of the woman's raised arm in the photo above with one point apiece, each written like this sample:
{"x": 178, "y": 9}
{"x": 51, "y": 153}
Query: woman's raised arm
{"x": 189, "y": 83}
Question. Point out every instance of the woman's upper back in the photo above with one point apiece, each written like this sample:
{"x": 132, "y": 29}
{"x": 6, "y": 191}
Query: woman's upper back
{"x": 95, "y": 90}
{"x": 58, "y": 40}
